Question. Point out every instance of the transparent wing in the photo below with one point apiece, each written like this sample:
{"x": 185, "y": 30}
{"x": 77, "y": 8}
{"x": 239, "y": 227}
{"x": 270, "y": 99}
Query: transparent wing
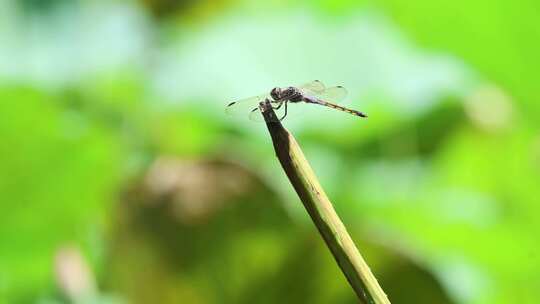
{"x": 255, "y": 114}
{"x": 279, "y": 109}
{"x": 244, "y": 107}
{"x": 282, "y": 110}
{"x": 333, "y": 94}
{"x": 313, "y": 87}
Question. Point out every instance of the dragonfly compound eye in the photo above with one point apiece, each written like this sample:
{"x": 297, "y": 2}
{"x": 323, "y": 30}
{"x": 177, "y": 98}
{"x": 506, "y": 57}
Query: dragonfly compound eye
{"x": 276, "y": 93}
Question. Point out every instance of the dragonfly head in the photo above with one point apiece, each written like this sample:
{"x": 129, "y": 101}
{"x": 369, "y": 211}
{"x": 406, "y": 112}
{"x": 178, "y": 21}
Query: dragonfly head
{"x": 276, "y": 93}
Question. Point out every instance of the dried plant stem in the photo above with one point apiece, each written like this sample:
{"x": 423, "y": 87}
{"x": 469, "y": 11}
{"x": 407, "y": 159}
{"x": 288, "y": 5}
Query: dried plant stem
{"x": 322, "y": 212}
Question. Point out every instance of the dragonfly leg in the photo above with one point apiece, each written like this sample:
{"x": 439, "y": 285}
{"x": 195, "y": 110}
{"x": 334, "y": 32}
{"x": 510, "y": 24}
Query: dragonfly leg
{"x": 284, "y": 115}
{"x": 279, "y": 106}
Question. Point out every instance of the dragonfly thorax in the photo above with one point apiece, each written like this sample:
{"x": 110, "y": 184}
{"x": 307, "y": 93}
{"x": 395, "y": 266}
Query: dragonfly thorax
{"x": 290, "y": 93}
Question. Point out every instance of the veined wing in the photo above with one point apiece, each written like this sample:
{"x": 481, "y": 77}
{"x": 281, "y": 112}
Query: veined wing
{"x": 244, "y": 106}
{"x": 313, "y": 87}
{"x": 332, "y": 94}
{"x": 281, "y": 110}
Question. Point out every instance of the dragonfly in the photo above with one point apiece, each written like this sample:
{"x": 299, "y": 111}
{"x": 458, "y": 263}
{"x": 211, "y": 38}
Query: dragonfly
{"x": 314, "y": 92}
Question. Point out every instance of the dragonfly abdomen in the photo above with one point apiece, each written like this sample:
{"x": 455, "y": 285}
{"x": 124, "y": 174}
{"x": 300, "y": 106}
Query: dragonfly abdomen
{"x": 338, "y": 107}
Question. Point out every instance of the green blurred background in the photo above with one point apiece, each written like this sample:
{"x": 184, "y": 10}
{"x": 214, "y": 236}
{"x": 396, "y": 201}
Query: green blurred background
{"x": 123, "y": 181}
